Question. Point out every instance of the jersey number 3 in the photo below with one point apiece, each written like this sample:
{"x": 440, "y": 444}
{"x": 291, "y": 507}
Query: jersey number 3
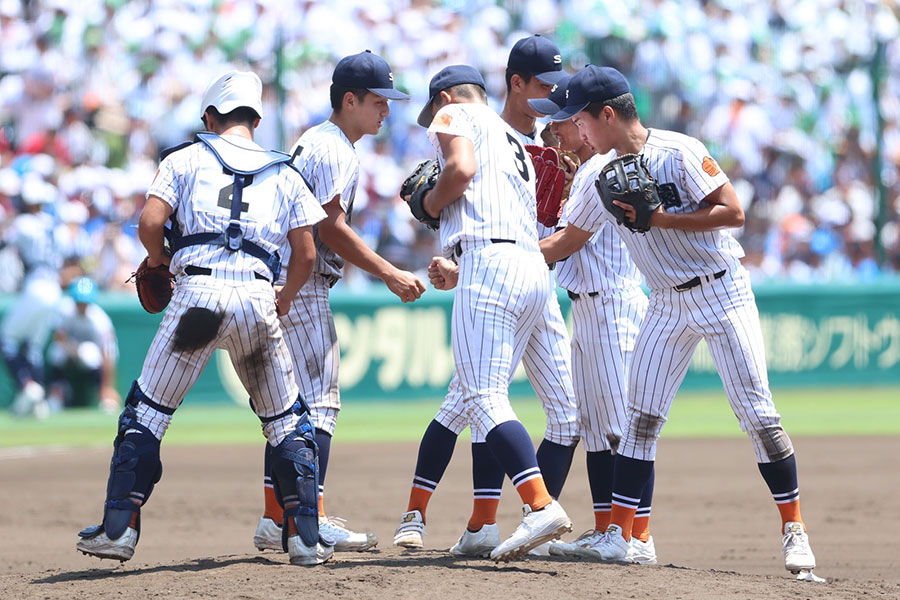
{"x": 521, "y": 166}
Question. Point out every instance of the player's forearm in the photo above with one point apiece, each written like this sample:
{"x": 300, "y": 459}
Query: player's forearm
{"x": 564, "y": 243}
{"x": 341, "y": 238}
{"x": 151, "y": 236}
{"x": 451, "y": 184}
{"x": 708, "y": 218}
{"x": 300, "y": 265}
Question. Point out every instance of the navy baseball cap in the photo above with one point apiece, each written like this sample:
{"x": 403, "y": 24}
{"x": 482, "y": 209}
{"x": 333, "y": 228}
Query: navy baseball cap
{"x": 538, "y": 56}
{"x": 447, "y": 78}
{"x": 589, "y": 85}
{"x": 367, "y": 70}
{"x": 556, "y": 101}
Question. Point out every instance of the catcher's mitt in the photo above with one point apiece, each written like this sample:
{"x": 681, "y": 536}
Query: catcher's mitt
{"x": 423, "y": 178}
{"x": 626, "y": 180}
{"x": 154, "y": 286}
{"x": 550, "y": 183}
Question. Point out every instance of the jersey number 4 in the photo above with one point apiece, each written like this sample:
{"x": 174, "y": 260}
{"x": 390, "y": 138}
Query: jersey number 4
{"x": 519, "y": 151}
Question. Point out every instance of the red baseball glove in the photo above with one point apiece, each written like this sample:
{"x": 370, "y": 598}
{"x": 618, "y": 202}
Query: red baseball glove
{"x": 154, "y": 286}
{"x": 550, "y": 184}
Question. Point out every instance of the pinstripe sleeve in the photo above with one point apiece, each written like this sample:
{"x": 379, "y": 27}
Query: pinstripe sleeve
{"x": 166, "y": 185}
{"x": 585, "y": 209}
{"x": 452, "y": 120}
{"x": 330, "y": 173}
{"x": 305, "y": 210}
{"x": 702, "y": 174}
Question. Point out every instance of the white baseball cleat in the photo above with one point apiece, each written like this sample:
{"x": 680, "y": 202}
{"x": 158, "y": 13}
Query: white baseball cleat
{"x": 411, "y": 530}
{"x": 102, "y": 546}
{"x": 537, "y": 527}
{"x": 268, "y": 535}
{"x": 477, "y": 543}
{"x": 540, "y": 550}
{"x": 561, "y": 548}
{"x": 611, "y": 546}
{"x": 798, "y": 556}
{"x": 641, "y": 553}
{"x": 333, "y": 528}
{"x": 304, "y": 555}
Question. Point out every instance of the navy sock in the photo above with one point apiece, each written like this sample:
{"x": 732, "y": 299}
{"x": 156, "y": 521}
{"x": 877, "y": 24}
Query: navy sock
{"x": 600, "y": 478}
{"x": 781, "y": 477}
{"x": 514, "y": 450}
{"x": 323, "y": 441}
{"x": 435, "y": 452}
{"x": 554, "y": 460}
{"x": 647, "y": 495}
{"x": 487, "y": 473}
{"x": 630, "y": 477}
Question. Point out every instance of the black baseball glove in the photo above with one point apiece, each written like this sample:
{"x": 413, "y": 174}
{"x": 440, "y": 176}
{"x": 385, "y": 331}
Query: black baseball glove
{"x": 423, "y": 178}
{"x": 626, "y": 180}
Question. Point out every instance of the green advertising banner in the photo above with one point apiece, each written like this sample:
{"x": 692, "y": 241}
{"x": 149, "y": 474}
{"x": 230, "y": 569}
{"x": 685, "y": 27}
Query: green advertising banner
{"x": 815, "y": 335}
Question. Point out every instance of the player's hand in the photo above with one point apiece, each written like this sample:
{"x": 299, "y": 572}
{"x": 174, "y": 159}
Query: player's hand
{"x": 630, "y": 213}
{"x": 405, "y": 285}
{"x": 282, "y": 302}
{"x": 443, "y": 273}
{"x": 155, "y": 261}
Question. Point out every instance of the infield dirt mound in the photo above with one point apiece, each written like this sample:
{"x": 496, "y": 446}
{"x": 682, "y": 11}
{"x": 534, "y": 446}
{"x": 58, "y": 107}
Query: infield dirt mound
{"x": 714, "y": 524}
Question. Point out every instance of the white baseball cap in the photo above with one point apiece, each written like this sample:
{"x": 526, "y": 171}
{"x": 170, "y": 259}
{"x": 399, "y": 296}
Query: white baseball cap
{"x": 233, "y": 90}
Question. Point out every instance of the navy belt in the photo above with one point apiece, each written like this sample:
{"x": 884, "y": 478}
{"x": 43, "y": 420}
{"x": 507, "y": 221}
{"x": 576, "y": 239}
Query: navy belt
{"x": 574, "y": 296}
{"x": 692, "y": 283}
{"x": 458, "y": 249}
{"x": 192, "y": 270}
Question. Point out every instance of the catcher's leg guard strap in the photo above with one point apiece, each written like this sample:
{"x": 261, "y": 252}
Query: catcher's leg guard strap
{"x": 134, "y": 469}
{"x": 295, "y": 478}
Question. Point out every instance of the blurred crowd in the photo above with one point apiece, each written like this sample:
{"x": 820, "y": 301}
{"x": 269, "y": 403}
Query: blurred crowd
{"x": 781, "y": 91}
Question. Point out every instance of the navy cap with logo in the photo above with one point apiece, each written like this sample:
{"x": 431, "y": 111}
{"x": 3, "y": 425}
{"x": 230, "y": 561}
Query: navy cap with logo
{"x": 537, "y": 56}
{"x": 556, "y": 101}
{"x": 444, "y": 79}
{"x": 589, "y": 85}
{"x": 369, "y": 71}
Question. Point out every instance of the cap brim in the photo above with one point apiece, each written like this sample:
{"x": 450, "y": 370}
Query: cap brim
{"x": 425, "y": 117}
{"x": 545, "y": 106}
{"x": 568, "y": 112}
{"x": 551, "y": 77}
{"x": 389, "y": 93}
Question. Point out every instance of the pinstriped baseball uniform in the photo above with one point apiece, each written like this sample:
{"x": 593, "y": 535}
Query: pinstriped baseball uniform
{"x": 606, "y": 316}
{"x": 721, "y": 309}
{"x": 502, "y": 286}
{"x": 191, "y": 181}
{"x": 547, "y": 361}
{"x": 329, "y": 164}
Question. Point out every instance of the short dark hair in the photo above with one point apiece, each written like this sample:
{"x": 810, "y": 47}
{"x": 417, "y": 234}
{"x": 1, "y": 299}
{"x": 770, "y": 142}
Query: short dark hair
{"x": 623, "y": 105}
{"x": 468, "y": 90}
{"x": 242, "y": 115}
{"x": 526, "y": 77}
{"x": 338, "y": 92}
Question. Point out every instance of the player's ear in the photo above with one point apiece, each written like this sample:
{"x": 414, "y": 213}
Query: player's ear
{"x": 255, "y": 122}
{"x": 349, "y": 100}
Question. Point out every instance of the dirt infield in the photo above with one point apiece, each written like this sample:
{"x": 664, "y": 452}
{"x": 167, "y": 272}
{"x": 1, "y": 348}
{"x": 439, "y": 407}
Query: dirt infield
{"x": 715, "y": 528}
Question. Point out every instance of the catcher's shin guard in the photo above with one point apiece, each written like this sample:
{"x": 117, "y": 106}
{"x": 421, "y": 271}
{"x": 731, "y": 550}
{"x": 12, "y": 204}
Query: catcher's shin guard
{"x": 295, "y": 477}
{"x": 133, "y": 471}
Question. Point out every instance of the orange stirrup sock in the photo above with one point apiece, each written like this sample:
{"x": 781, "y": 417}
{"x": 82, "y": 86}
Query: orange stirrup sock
{"x": 534, "y": 493}
{"x": 321, "y": 502}
{"x": 601, "y": 519}
{"x": 790, "y": 511}
{"x": 272, "y": 509}
{"x": 640, "y": 529}
{"x": 484, "y": 512}
{"x": 418, "y": 500}
{"x": 624, "y": 518}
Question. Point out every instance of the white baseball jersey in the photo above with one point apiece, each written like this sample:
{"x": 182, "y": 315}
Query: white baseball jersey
{"x": 330, "y": 166}
{"x": 94, "y": 326}
{"x": 686, "y": 174}
{"x": 604, "y": 264}
{"x": 721, "y": 310}
{"x": 31, "y": 234}
{"x": 192, "y": 182}
{"x": 500, "y": 201}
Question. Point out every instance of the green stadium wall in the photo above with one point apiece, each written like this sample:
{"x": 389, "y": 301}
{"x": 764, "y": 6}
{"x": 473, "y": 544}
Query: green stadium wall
{"x": 815, "y": 336}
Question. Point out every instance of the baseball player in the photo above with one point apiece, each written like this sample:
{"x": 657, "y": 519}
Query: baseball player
{"x": 232, "y": 205}
{"x": 533, "y": 67}
{"x": 485, "y": 199}
{"x": 26, "y": 326}
{"x": 607, "y": 308}
{"x": 698, "y": 290}
{"x": 361, "y": 86}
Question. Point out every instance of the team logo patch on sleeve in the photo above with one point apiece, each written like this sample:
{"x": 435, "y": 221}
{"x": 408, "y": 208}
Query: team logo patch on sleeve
{"x": 443, "y": 119}
{"x": 710, "y": 167}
